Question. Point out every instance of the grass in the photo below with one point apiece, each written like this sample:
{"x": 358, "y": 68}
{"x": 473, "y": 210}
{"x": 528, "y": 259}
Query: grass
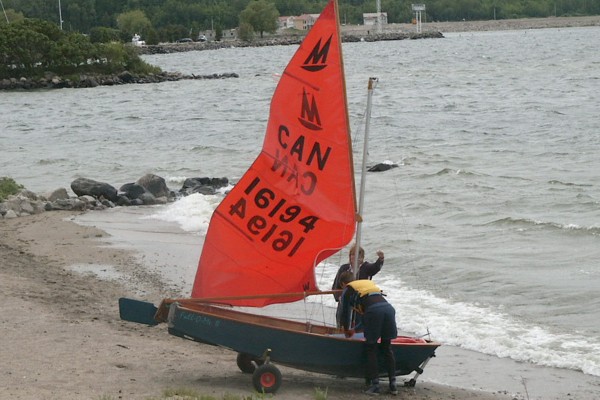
{"x": 8, "y": 187}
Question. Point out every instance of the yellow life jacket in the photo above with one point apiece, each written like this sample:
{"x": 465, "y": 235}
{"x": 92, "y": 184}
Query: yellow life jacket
{"x": 364, "y": 287}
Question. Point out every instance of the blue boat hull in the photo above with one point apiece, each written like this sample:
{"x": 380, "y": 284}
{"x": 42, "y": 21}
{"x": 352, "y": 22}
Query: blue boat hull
{"x": 302, "y": 346}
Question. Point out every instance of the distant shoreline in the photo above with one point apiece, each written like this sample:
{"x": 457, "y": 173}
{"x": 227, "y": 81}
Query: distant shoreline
{"x": 354, "y": 33}
{"x": 508, "y": 24}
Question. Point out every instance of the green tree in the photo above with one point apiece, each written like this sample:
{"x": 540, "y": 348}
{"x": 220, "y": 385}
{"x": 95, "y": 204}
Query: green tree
{"x": 33, "y": 47}
{"x": 132, "y": 22}
{"x": 246, "y": 32}
{"x": 102, "y": 34}
{"x": 26, "y": 45}
{"x": 261, "y": 15}
{"x": 171, "y": 33}
{"x": 218, "y": 32}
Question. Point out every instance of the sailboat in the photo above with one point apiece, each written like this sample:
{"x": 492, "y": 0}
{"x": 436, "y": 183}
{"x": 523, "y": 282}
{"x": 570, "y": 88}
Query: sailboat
{"x": 294, "y": 207}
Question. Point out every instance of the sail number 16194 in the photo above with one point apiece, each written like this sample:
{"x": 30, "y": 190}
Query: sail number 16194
{"x": 269, "y": 225}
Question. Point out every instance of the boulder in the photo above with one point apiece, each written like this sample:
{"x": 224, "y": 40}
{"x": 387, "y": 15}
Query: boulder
{"x": 57, "y": 194}
{"x": 85, "y": 186}
{"x": 203, "y": 185}
{"x": 382, "y": 167}
{"x": 132, "y": 190}
{"x": 155, "y": 185}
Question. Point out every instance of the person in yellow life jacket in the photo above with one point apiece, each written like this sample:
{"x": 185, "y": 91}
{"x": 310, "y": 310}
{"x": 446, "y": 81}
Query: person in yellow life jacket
{"x": 379, "y": 321}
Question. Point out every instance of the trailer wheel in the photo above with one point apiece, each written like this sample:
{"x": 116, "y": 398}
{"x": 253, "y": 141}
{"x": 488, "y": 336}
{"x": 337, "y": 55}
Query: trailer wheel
{"x": 266, "y": 378}
{"x": 244, "y": 363}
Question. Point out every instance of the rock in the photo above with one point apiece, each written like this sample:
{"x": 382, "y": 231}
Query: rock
{"x": 155, "y": 185}
{"x": 132, "y": 190}
{"x": 204, "y": 185}
{"x": 28, "y": 194}
{"x": 60, "y": 193}
{"x": 147, "y": 198}
{"x": 21, "y": 204}
{"x": 382, "y": 167}
{"x": 93, "y": 195}
{"x": 126, "y": 77}
{"x": 10, "y": 214}
{"x": 68, "y": 204}
{"x": 99, "y": 190}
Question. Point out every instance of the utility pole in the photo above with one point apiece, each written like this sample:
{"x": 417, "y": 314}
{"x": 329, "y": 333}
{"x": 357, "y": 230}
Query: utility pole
{"x": 4, "y": 11}
{"x": 60, "y": 14}
{"x": 379, "y": 16}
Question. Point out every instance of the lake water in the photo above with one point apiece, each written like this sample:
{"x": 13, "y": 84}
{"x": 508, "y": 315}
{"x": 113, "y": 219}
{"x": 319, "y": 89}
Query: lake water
{"x": 491, "y": 223}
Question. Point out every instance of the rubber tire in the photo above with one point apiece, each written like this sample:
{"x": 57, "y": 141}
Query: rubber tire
{"x": 266, "y": 378}
{"x": 245, "y": 364}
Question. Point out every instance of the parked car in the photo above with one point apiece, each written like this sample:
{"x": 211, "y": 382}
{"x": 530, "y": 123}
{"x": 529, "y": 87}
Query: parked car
{"x": 184, "y": 40}
{"x": 201, "y": 38}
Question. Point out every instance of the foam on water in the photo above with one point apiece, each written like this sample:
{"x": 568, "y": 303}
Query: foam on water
{"x": 192, "y": 212}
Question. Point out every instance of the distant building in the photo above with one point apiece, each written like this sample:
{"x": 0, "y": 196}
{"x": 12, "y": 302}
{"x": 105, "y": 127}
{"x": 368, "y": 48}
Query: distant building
{"x": 305, "y": 21}
{"x": 210, "y": 35}
{"x": 370, "y": 19}
{"x": 285, "y": 23}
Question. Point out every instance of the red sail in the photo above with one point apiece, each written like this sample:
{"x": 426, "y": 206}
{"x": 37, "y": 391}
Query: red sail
{"x": 296, "y": 204}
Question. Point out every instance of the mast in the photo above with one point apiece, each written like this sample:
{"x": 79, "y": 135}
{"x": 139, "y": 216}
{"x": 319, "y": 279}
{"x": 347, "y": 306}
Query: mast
{"x": 363, "y": 173}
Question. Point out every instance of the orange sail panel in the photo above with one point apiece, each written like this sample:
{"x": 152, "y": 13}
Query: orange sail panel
{"x": 296, "y": 204}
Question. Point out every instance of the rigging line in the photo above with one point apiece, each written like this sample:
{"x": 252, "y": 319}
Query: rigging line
{"x": 356, "y": 133}
{"x": 402, "y": 226}
{"x": 410, "y": 266}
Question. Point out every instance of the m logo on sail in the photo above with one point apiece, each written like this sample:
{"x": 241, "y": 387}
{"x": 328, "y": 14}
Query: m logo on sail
{"x": 317, "y": 59}
{"x": 309, "y": 114}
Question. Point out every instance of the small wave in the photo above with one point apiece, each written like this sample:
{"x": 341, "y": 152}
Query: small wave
{"x": 525, "y": 222}
{"x": 491, "y": 331}
{"x": 192, "y": 212}
{"x": 50, "y": 161}
{"x": 450, "y": 171}
{"x": 200, "y": 148}
{"x": 176, "y": 179}
{"x": 556, "y": 182}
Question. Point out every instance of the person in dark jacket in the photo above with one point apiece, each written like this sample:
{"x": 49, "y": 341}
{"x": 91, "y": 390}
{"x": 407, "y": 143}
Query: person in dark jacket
{"x": 366, "y": 270}
{"x": 379, "y": 322}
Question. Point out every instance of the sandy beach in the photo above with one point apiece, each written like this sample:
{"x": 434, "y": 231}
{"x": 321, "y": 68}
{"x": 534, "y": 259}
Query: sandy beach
{"x": 62, "y": 337}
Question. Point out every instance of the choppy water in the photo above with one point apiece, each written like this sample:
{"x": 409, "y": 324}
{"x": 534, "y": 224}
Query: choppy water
{"x": 491, "y": 224}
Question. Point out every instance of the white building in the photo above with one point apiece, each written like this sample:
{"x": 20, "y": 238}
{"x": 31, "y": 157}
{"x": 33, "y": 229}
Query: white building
{"x": 370, "y": 19}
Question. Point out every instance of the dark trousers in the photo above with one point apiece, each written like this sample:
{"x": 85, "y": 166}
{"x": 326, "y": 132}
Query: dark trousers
{"x": 380, "y": 322}
{"x": 372, "y": 366}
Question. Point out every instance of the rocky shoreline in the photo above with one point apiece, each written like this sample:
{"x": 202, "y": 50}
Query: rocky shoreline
{"x": 150, "y": 189}
{"x": 52, "y": 81}
{"x": 167, "y": 48}
{"x": 362, "y": 33}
